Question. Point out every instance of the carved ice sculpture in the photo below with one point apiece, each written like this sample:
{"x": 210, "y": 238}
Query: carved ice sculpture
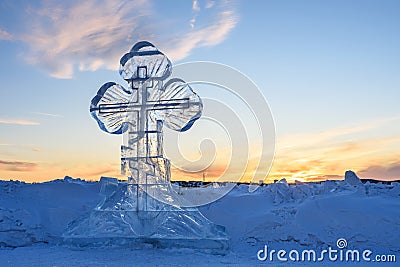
{"x": 146, "y": 209}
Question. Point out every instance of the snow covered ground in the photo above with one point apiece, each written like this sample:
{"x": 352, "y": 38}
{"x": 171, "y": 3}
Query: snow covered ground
{"x": 280, "y": 216}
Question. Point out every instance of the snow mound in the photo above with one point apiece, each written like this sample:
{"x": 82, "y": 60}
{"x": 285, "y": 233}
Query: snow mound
{"x": 281, "y": 215}
{"x": 352, "y": 179}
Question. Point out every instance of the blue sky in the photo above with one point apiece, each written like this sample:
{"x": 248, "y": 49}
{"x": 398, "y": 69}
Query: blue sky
{"x": 329, "y": 70}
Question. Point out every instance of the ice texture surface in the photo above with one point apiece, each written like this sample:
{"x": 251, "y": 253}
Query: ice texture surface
{"x": 144, "y": 61}
{"x": 111, "y": 97}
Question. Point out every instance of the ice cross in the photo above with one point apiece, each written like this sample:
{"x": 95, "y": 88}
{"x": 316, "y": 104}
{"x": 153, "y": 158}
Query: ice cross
{"x": 140, "y": 113}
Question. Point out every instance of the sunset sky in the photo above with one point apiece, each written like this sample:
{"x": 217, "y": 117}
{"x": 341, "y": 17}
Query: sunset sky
{"x": 330, "y": 71}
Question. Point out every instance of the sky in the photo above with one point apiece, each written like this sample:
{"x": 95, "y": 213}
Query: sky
{"x": 328, "y": 69}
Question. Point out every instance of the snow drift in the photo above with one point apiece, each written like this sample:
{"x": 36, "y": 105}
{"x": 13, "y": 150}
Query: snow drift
{"x": 307, "y": 215}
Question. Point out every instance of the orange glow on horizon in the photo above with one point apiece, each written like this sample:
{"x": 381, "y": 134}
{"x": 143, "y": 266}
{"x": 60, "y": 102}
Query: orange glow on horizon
{"x": 309, "y": 157}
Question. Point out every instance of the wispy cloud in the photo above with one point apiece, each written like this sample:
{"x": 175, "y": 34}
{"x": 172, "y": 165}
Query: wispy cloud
{"x": 210, "y": 4}
{"x": 18, "y": 166}
{"x": 22, "y": 146}
{"x": 86, "y": 34}
{"x": 334, "y": 158}
{"x": 195, "y": 11}
{"x": 93, "y": 171}
{"x": 98, "y": 172}
{"x": 329, "y": 154}
{"x": 215, "y": 33}
{"x": 18, "y": 122}
{"x": 315, "y": 139}
{"x": 4, "y": 35}
{"x": 64, "y": 36}
{"x": 320, "y": 156}
{"x": 195, "y": 5}
{"x": 385, "y": 172}
{"x": 47, "y": 114}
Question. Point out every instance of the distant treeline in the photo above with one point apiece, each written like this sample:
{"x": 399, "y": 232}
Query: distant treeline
{"x": 201, "y": 183}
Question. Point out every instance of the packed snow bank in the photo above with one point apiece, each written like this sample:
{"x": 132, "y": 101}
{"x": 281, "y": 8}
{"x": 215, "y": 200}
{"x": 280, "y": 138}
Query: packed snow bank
{"x": 312, "y": 215}
{"x": 279, "y": 215}
{"x": 39, "y": 213}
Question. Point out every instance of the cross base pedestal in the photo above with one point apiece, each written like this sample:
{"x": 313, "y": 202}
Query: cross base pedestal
{"x": 117, "y": 222}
